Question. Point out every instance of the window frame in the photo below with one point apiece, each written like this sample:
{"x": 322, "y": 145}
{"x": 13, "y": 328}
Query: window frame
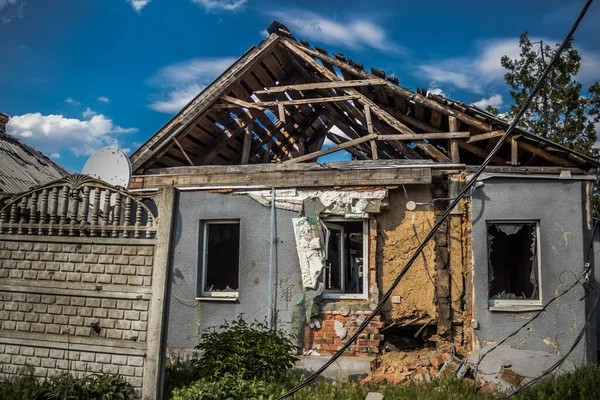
{"x": 202, "y": 294}
{"x": 500, "y": 303}
{"x": 337, "y": 295}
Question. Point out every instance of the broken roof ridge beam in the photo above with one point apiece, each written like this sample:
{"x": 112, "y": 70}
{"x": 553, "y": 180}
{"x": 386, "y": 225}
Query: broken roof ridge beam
{"x": 322, "y": 85}
{"x": 330, "y": 150}
{"x": 406, "y": 93}
{"x": 426, "y": 136}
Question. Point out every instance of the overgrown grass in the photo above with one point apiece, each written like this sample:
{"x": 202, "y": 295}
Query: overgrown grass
{"x": 25, "y": 386}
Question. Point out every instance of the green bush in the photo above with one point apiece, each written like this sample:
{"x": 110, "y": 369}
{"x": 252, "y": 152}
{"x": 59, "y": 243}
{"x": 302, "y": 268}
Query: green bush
{"x": 25, "y": 386}
{"x": 247, "y": 350}
{"x": 581, "y": 384}
{"x": 230, "y": 387}
{"x": 181, "y": 372}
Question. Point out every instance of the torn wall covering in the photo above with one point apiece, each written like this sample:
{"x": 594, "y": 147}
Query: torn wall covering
{"x": 310, "y": 232}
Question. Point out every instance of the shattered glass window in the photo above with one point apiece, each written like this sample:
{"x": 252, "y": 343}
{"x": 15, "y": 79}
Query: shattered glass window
{"x": 345, "y": 261}
{"x": 221, "y": 258}
{"x": 513, "y": 261}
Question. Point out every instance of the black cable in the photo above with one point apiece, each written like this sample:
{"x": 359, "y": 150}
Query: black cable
{"x": 445, "y": 215}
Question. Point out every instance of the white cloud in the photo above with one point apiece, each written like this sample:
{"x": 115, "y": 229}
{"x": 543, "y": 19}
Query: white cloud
{"x": 88, "y": 113}
{"x": 355, "y": 33}
{"x": 71, "y": 101}
{"x": 181, "y": 82}
{"x": 482, "y": 69}
{"x": 494, "y": 101}
{"x": 56, "y": 156}
{"x": 137, "y": 5}
{"x": 53, "y": 133}
{"x": 221, "y": 5}
{"x": 104, "y": 99}
{"x": 13, "y": 9}
{"x": 435, "y": 88}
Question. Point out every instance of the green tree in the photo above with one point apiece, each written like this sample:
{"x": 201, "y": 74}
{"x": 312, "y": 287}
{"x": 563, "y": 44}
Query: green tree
{"x": 559, "y": 112}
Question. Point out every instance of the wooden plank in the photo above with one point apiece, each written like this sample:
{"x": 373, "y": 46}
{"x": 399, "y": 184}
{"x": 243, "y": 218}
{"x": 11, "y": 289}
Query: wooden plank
{"x": 322, "y": 85}
{"x": 479, "y": 152}
{"x": 352, "y": 150}
{"x": 453, "y": 124}
{"x": 426, "y": 136}
{"x": 241, "y": 103}
{"x": 485, "y": 136}
{"x": 368, "y": 119}
{"x": 514, "y": 151}
{"x": 320, "y": 178}
{"x": 374, "y": 150}
{"x": 538, "y": 151}
{"x": 183, "y": 151}
{"x": 247, "y": 144}
{"x": 194, "y": 109}
{"x": 406, "y": 93}
{"x": 314, "y": 100}
{"x": 330, "y": 150}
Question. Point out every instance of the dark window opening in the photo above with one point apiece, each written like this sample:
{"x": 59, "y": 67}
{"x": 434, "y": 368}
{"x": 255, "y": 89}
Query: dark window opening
{"x": 221, "y": 257}
{"x": 513, "y": 265}
{"x": 345, "y": 263}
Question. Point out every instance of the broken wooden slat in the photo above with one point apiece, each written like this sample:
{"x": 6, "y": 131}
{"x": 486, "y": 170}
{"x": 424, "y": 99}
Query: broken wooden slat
{"x": 247, "y": 144}
{"x": 322, "y": 85}
{"x": 189, "y": 160}
{"x": 485, "y": 136}
{"x": 535, "y": 150}
{"x": 425, "y": 136}
{"x": 306, "y": 101}
{"x": 330, "y": 150}
{"x": 240, "y": 103}
{"x": 514, "y": 151}
{"x": 453, "y": 124}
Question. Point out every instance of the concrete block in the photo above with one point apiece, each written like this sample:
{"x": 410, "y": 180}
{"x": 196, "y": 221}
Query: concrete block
{"x": 40, "y": 247}
{"x": 342, "y": 368}
{"x": 18, "y": 255}
{"x": 30, "y": 255}
{"x": 127, "y": 270}
{"x": 135, "y": 361}
{"x": 61, "y": 257}
{"x": 122, "y": 260}
{"x": 113, "y": 249}
{"x": 16, "y": 274}
{"x": 46, "y": 256}
{"x": 135, "y": 280}
{"x": 75, "y": 258}
{"x": 82, "y": 268}
{"x": 26, "y": 246}
{"x": 99, "y": 249}
{"x": 69, "y": 248}
{"x": 24, "y": 265}
{"x": 90, "y": 258}
{"x": 113, "y": 269}
{"x": 84, "y": 248}
{"x": 55, "y": 247}
{"x": 132, "y": 315}
{"x": 129, "y": 250}
{"x": 145, "y": 250}
{"x": 105, "y": 259}
{"x": 119, "y": 280}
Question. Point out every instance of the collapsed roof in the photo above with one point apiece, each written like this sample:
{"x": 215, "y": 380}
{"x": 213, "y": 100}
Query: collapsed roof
{"x": 21, "y": 166}
{"x": 280, "y": 100}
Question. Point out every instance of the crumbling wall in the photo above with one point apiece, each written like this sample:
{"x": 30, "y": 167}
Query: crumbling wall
{"x": 561, "y": 208}
{"x": 414, "y": 299}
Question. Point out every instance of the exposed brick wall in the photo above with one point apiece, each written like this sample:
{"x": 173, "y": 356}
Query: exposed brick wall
{"x": 75, "y": 304}
{"x": 137, "y": 182}
{"x": 325, "y": 340}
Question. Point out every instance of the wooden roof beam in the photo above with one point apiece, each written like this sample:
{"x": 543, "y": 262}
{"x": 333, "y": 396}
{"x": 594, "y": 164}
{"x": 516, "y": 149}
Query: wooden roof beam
{"x": 321, "y": 85}
{"x": 417, "y": 98}
{"x": 330, "y": 150}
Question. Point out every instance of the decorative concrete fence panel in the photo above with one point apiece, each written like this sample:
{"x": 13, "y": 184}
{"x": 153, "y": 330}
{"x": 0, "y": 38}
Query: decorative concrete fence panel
{"x": 83, "y": 269}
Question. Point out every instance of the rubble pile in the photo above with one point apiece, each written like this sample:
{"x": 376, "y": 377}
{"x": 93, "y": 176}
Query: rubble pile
{"x": 409, "y": 366}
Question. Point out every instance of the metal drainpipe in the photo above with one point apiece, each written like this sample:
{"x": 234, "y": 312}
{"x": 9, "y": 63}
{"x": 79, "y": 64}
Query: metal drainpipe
{"x": 271, "y": 262}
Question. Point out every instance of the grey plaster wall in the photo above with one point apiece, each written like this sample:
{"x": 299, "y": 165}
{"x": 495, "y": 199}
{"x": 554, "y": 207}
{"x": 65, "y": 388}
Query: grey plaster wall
{"x": 562, "y": 209}
{"x": 187, "y": 317}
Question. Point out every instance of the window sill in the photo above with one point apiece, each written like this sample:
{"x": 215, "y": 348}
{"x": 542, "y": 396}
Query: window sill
{"x": 332, "y": 296}
{"x": 228, "y": 299}
{"x": 516, "y": 308}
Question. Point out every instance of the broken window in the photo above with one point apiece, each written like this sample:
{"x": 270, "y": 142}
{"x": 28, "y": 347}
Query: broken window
{"x": 513, "y": 259}
{"x": 220, "y": 260}
{"x": 345, "y": 266}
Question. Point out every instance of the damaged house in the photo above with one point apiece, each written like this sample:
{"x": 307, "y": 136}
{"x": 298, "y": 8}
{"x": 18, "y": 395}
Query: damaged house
{"x": 230, "y": 213}
{"x": 264, "y": 231}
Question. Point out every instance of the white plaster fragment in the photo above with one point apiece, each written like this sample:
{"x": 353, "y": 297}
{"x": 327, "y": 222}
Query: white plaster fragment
{"x": 336, "y": 202}
{"x": 340, "y": 331}
{"x": 315, "y": 244}
{"x": 312, "y": 258}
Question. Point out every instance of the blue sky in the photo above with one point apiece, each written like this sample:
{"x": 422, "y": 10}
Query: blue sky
{"x": 77, "y": 75}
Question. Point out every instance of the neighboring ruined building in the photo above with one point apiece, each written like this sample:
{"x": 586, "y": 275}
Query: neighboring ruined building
{"x": 21, "y": 166}
{"x": 228, "y": 214}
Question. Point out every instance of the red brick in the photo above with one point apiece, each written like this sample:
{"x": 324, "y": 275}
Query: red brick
{"x": 367, "y": 380}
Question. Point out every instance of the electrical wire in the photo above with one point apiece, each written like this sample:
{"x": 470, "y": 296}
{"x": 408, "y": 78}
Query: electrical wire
{"x": 445, "y": 215}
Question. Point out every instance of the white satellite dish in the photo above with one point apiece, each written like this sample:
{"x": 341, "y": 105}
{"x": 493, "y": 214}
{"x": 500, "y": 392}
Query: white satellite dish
{"x": 110, "y": 165}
